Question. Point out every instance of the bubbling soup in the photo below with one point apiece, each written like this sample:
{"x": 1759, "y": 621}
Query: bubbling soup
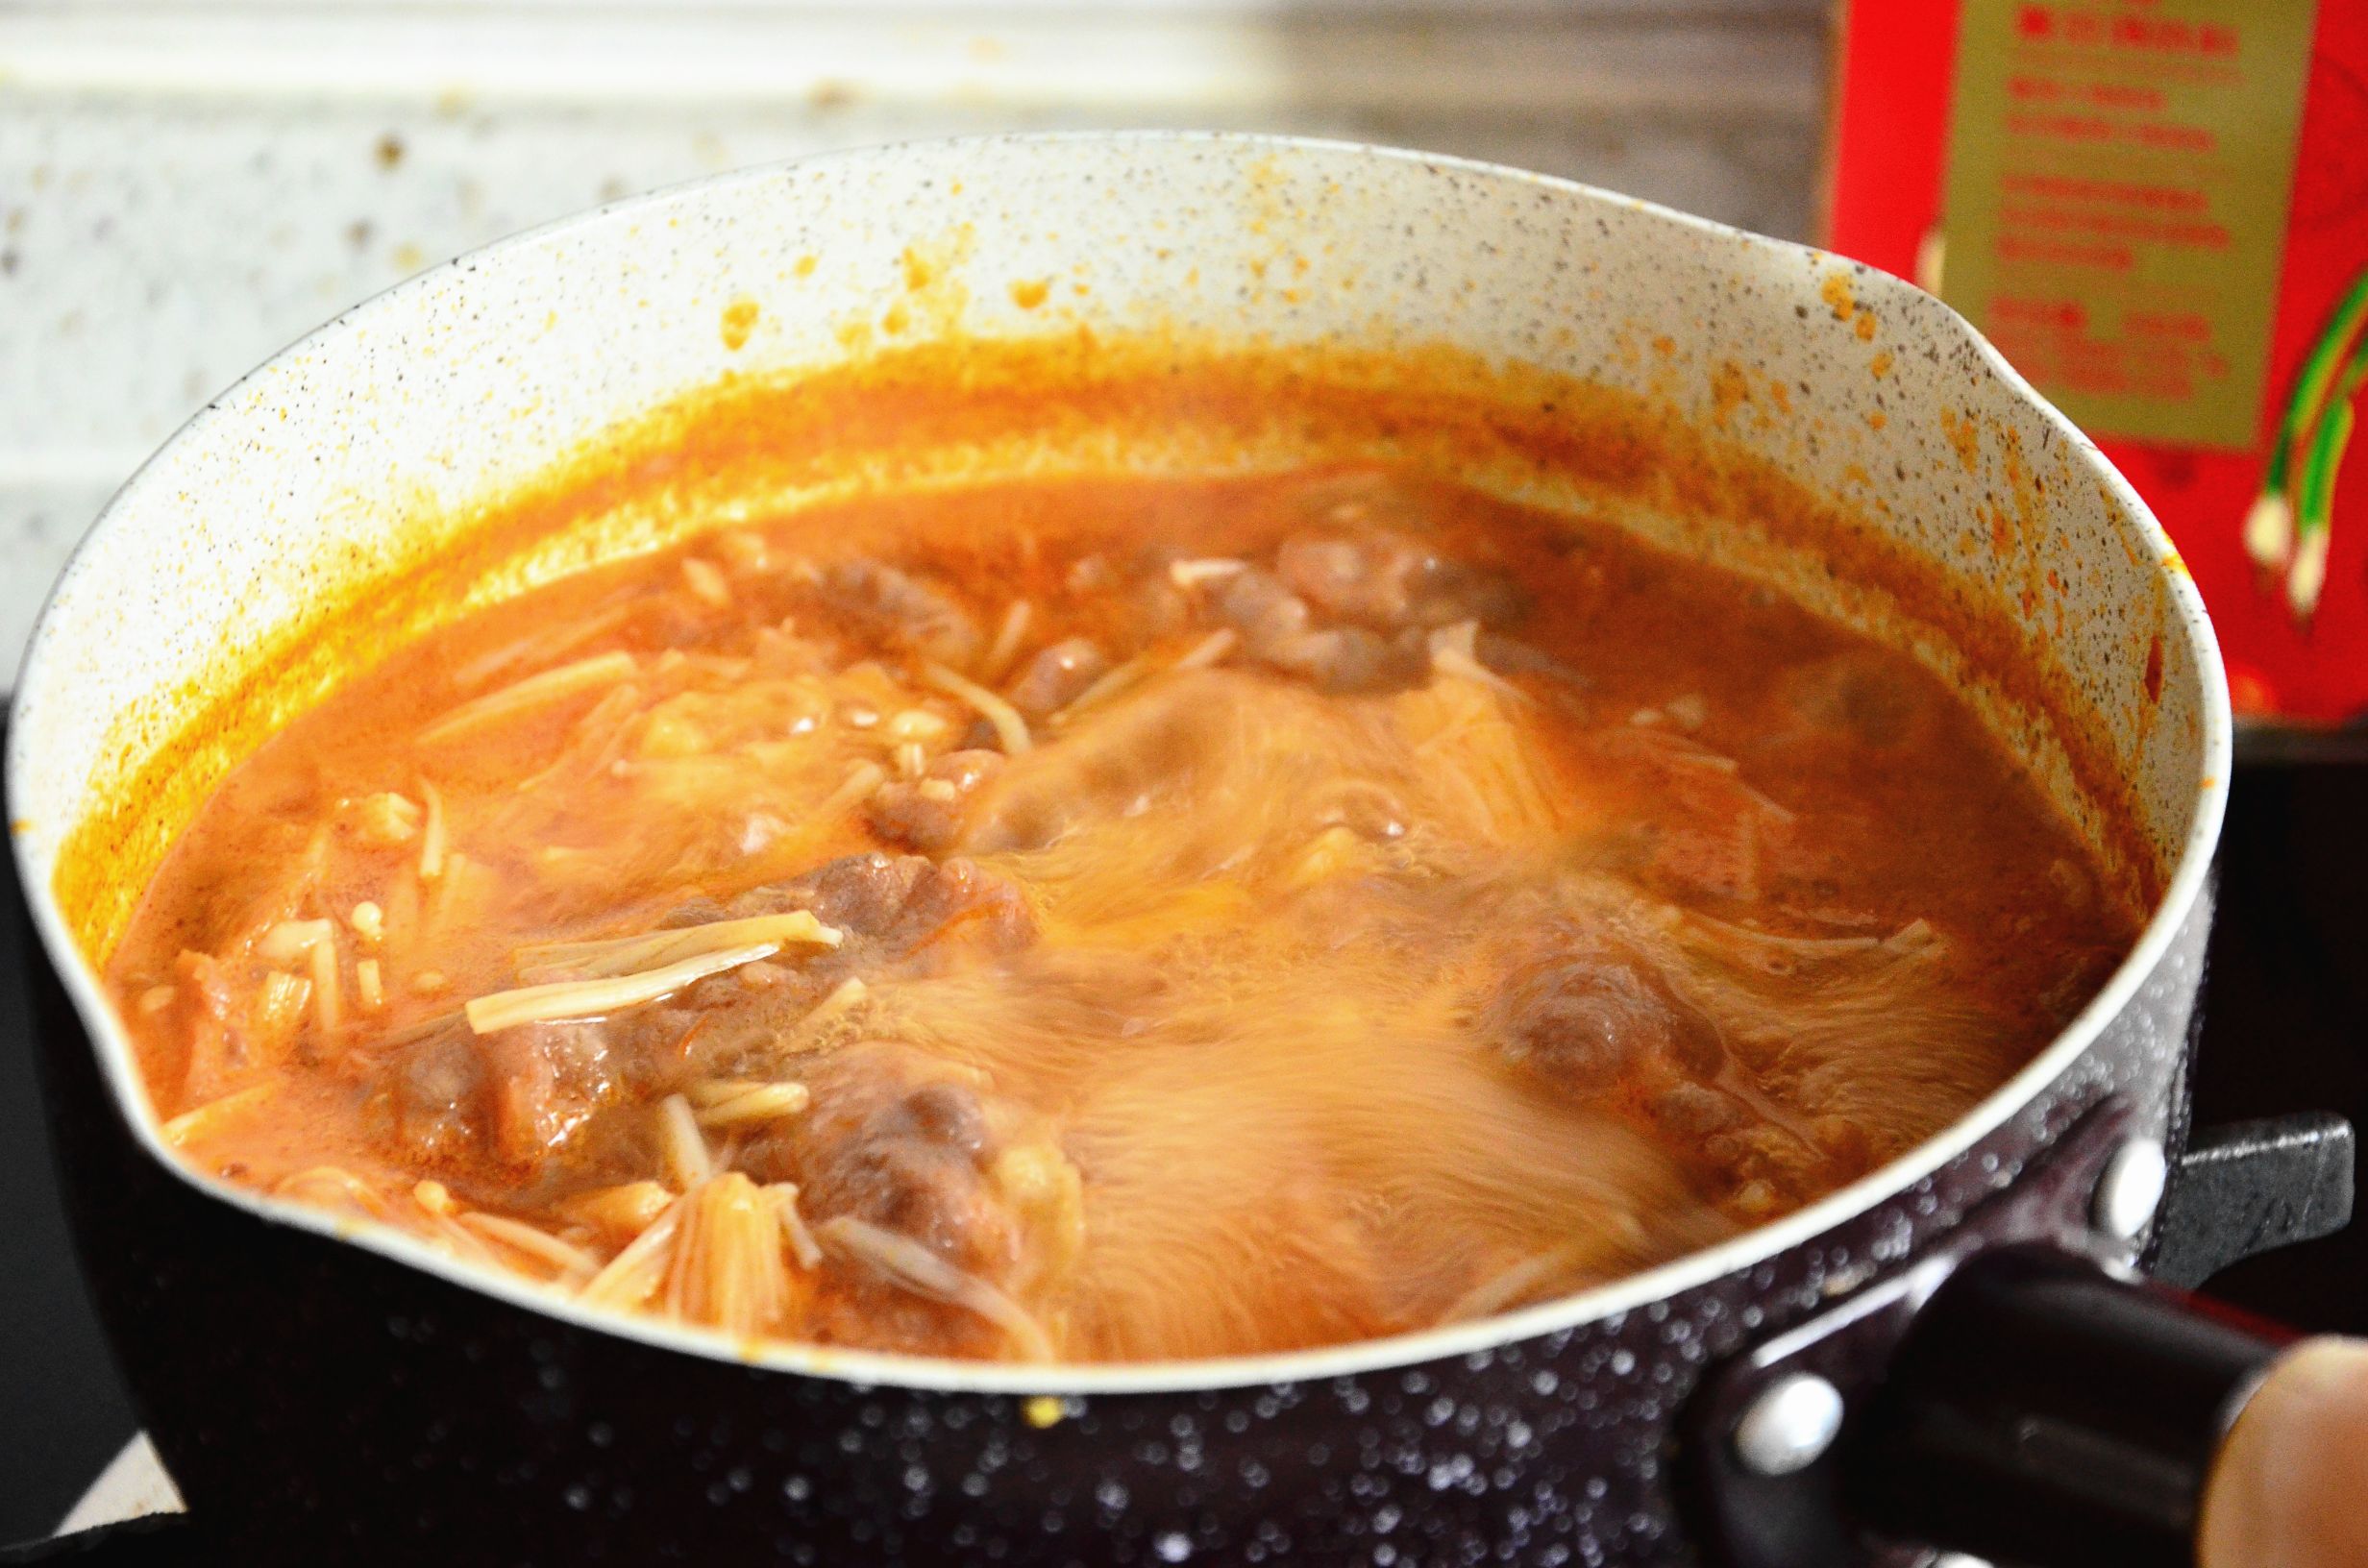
{"x": 1109, "y": 920}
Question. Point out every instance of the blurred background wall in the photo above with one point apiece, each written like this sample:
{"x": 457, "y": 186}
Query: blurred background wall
{"x": 186, "y": 185}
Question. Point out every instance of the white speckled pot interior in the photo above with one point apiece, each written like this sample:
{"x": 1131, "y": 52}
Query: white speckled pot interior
{"x": 480, "y": 373}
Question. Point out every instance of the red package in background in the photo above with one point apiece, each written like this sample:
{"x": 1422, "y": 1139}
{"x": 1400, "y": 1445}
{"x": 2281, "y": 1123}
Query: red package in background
{"x": 2159, "y": 209}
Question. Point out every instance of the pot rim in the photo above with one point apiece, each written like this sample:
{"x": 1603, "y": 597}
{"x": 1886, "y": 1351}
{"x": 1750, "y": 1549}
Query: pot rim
{"x": 945, "y": 1374}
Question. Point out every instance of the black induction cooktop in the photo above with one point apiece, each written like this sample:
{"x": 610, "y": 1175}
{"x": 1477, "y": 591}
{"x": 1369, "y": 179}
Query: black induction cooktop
{"x": 2286, "y": 1029}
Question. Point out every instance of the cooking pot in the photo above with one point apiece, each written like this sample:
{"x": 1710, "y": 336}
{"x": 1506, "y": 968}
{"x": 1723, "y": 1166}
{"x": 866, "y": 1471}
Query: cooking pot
{"x": 1852, "y": 1383}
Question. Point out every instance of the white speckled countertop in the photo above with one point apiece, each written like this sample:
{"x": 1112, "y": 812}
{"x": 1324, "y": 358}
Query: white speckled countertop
{"x": 185, "y": 187}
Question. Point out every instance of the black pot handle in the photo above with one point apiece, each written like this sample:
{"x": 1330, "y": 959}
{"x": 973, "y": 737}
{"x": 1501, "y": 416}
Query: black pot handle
{"x": 2041, "y": 1411}
{"x": 2244, "y": 1187}
{"x": 2019, "y": 1392}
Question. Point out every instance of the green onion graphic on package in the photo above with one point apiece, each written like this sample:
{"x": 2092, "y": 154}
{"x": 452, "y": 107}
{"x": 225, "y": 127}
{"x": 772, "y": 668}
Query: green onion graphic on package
{"x": 2286, "y": 530}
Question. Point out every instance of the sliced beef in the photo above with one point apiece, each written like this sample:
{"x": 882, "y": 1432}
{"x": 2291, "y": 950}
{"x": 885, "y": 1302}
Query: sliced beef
{"x": 905, "y": 610}
{"x": 922, "y": 1149}
{"x": 891, "y": 906}
{"x": 1277, "y": 630}
{"x": 958, "y": 899}
{"x": 437, "y": 1091}
{"x": 547, "y": 1080}
{"x": 1373, "y": 579}
{"x": 698, "y": 911}
{"x": 1349, "y": 659}
{"x": 1597, "y": 1022}
{"x": 1160, "y": 608}
{"x": 1057, "y": 677}
{"x": 1509, "y": 656}
{"x": 1389, "y": 580}
{"x": 929, "y": 813}
{"x": 1594, "y": 1021}
{"x": 207, "y": 1002}
{"x": 1694, "y": 1112}
{"x": 899, "y": 1139}
{"x": 1261, "y": 608}
{"x": 898, "y": 915}
{"x": 1111, "y": 765}
{"x": 516, "y": 1094}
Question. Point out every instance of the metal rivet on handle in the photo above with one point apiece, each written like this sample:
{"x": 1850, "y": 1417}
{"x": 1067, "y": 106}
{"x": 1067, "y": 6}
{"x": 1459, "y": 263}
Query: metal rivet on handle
{"x": 2130, "y": 1189}
{"x": 1792, "y": 1422}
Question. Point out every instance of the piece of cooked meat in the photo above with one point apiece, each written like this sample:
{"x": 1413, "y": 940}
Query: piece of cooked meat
{"x": 520, "y": 1093}
{"x": 902, "y": 1140}
{"x": 905, "y": 610}
{"x": 1592, "y": 1018}
{"x": 891, "y": 906}
{"x": 1391, "y": 580}
{"x": 1278, "y": 629}
{"x": 911, "y": 1145}
{"x": 929, "y": 813}
{"x": 1057, "y": 676}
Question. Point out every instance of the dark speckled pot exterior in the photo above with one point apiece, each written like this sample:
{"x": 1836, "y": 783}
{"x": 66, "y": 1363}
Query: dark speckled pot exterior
{"x": 322, "y": 1401}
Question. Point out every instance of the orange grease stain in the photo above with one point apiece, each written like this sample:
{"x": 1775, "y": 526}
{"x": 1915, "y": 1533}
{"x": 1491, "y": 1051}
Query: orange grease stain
{"x": 1962, "y": 436}
{"x": 739, "y": 320}
{"x": 1835, "y": 291}
{"x": 1729, "y": 386}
